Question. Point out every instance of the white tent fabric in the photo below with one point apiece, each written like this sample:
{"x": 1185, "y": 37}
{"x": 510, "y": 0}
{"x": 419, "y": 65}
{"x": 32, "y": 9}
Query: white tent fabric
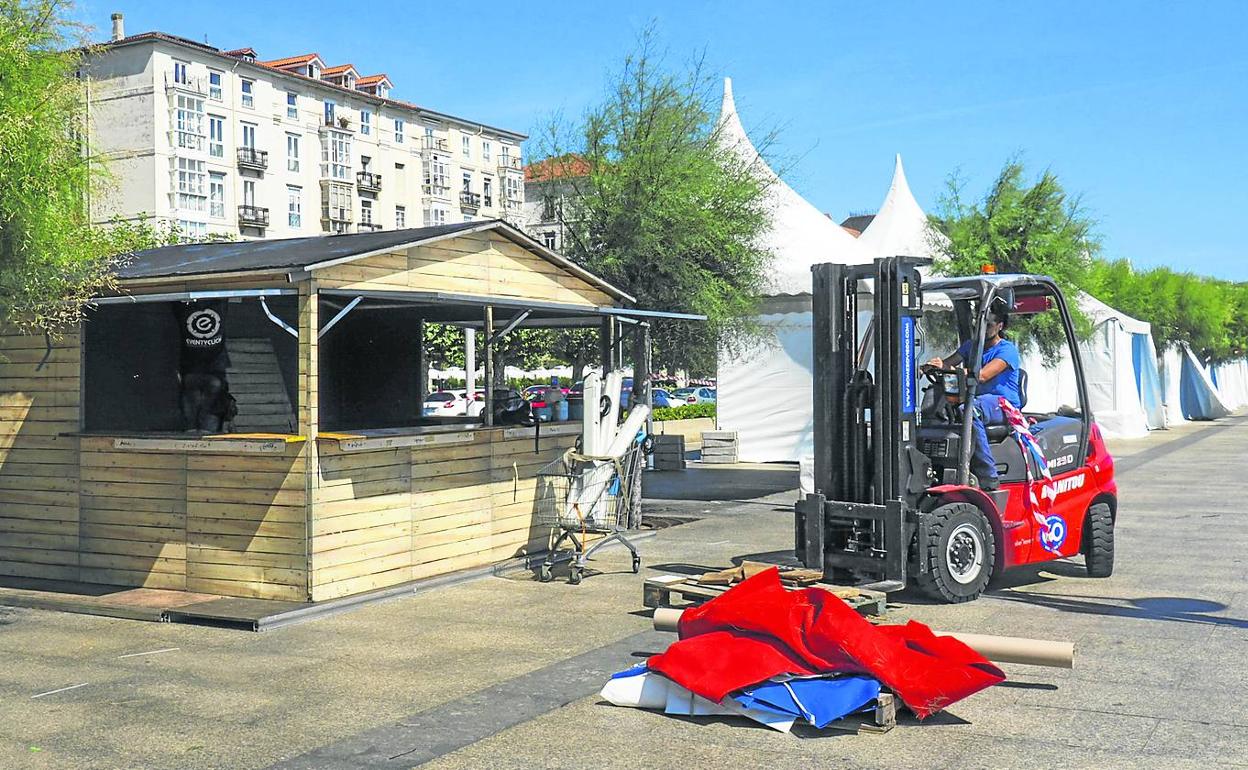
{"x": 1231, "y": 379}
{"x": 1189, "y": 390}
{"x": 900, "y": 227}
{"x": 800, "y": 235}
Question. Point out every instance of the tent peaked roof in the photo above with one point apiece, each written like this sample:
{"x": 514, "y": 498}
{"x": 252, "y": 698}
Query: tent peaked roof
{"x": 800, "y": 235}
{"x": 900, "y": 227}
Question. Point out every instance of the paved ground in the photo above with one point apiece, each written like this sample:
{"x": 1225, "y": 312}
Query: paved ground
{"x": 503, "y": 672}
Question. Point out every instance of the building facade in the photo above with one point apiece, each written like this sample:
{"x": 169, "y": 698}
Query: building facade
{"x": 549, "y": 189}
{"x": 222, "y": 142}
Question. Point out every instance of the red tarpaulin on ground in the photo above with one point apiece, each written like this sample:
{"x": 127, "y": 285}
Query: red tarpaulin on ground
{"x": 758, "y": 630}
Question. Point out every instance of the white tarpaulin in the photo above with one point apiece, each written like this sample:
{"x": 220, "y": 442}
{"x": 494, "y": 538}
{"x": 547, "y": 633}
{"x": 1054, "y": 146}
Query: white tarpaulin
{"x": 900, "y": 227}
{"x": 1189, "y": 390}
{"x": 1231, "y": 379}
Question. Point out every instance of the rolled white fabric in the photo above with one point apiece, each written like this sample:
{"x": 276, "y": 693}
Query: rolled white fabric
{"x": 611, "y": 389}
{"x": 627, "y": 433}
{"x": 590, "y": 427}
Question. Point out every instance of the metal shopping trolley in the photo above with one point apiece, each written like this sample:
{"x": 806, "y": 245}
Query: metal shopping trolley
{"x": 590, "y": 495}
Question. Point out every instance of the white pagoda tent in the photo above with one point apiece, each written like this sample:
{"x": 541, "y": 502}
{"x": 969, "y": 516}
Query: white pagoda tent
{"x": 765, "y": 391}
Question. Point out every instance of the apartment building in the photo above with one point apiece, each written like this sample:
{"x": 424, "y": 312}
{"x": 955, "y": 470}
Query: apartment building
{"x": 229, "y": 142}
{"x": 548, "y": 186}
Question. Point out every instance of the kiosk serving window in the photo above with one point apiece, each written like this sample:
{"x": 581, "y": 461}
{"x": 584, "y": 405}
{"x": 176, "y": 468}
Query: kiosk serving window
{"x": 207, "y": 366}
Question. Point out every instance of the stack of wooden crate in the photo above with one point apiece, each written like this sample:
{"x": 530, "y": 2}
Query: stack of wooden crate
{"x": 719, "y": 446}
{"x": 669, "y": 452}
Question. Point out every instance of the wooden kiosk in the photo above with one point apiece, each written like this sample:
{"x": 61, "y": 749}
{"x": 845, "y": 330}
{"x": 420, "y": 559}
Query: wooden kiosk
{"x": 332, "y": 483}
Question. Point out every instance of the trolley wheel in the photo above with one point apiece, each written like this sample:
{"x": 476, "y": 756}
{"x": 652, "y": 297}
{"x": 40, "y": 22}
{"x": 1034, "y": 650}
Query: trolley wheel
{"x": 575, "y": 577}
{"x": 545, "y": 575}
{"x": 636, "y": 564}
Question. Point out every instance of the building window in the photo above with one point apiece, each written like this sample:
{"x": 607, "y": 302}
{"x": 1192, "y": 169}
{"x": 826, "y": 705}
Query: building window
{"x": 329, "y": 112}
{"x": 314, "y": 71}
{"x": 189, "y": 122}
{"x": 191, "y": 175}
{"x": 216, "y": 136}
{"x": 249, "y": 192}
{"x": 366, "y": 212}
{"x": 398, "y": 131}
{"x": 549, "y": 239}
{"x": 338, "y": 208}
{"x": 214, "y": 85}
{"x": 485, "y": 151}
{"x": 513, "y": 188}
{"x": 294, "y": 206}
{"x": 467, "y": 177}
{"x": 192, "y": 231}
{"x": 248, "y": 87}
{"x": 180, "y": 74}
{"x": 336, "y": 155}
{"x": 549, "y": 211}
{"x": 487, "y": 191}
{"x": 467, "y": 217}
{"x": 467, "y": 143}
{"x": 292, "y": 105}
{"x": 366, "y": 122}
{"x": 249, "y": 135}
{"x": 216, "y": 195}
{"x": 292, "y": 152}
{"x": 435, "y": 217}
{"x": 400, "y": 217}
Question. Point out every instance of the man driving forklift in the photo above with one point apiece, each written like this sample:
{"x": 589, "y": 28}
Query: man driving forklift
{"x": 998, "y": 377}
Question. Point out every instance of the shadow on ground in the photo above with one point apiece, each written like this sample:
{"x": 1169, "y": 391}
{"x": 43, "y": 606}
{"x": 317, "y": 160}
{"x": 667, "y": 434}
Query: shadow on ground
{"x": 730, "y": 483}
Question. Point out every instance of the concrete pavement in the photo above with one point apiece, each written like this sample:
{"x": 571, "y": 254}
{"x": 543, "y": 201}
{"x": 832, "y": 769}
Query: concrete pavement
{"x": 503, "y": 672}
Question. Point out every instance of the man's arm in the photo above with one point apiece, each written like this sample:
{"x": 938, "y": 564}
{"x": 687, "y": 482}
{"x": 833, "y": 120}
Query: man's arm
{"x": 953, "y": 360}
{"x": 992, "y": 369}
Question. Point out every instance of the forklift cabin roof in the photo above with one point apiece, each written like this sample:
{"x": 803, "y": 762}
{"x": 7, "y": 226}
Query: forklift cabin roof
{"x": 979, "y": 286}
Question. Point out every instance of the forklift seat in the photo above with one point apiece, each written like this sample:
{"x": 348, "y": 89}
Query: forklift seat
{"x": 998, "y": 433}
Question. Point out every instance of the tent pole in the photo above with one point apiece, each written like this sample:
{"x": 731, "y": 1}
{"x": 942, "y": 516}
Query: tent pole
{"x": 488, "y": 331}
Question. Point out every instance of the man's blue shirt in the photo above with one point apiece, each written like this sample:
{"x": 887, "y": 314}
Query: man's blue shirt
{"x": 1006, "y": 383}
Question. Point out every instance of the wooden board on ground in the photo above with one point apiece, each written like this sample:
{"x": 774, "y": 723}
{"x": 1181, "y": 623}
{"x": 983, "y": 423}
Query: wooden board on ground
{"x": 658, "y": 592}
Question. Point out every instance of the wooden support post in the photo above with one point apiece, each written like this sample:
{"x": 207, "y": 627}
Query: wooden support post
{"x": 487, "y": 332}
{"x": 308, "y": 414}
{"x": 470, "y": 362}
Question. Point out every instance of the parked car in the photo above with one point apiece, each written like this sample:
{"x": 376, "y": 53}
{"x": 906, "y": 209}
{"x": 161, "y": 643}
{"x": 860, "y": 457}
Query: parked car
{"x": 502, "y": 396}
{"x": 699, "y": 395}
{"x": 445, "y": 403}
{"x": 662, "y": 398}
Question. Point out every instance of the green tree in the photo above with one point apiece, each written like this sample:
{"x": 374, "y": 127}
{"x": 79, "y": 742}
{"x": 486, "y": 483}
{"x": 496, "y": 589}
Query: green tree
{"x": 657, "y": 207}
{"x": 1019, "y": 227}
{"x": 51, "y": 259}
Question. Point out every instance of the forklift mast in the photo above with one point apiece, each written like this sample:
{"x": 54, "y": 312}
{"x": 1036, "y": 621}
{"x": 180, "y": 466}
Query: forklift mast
{"x": 868, "y": 471}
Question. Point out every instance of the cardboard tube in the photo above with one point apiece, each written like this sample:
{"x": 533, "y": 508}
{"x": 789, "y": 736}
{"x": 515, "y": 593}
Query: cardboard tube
{"x": 998, "y": 649}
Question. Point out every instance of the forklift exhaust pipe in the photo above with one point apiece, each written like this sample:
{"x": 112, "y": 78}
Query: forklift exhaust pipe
{"x": 998, "y": 649}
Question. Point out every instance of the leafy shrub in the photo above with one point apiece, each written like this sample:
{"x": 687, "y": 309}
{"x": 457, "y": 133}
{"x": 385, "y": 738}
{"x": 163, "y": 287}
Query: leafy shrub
{"x": 684, "y": 412}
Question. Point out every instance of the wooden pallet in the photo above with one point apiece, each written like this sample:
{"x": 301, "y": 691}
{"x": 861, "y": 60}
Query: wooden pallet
{"x": 658, "y": 592}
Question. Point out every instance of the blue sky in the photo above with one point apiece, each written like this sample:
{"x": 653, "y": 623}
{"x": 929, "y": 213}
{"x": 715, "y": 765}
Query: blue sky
{"x": 1140, "y": 107}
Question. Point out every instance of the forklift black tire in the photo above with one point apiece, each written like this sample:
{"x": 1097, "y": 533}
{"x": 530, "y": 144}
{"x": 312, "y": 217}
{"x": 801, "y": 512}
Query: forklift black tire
{"x": 1098, "y": 541}
{"x": 959, "y": 554}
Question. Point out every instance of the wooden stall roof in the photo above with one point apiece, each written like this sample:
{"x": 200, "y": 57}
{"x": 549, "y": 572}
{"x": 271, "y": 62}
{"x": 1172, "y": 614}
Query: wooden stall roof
{"x": 204, "y": 260}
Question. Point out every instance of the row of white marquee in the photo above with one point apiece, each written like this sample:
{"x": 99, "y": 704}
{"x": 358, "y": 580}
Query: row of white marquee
{"x": 765, "y": 392}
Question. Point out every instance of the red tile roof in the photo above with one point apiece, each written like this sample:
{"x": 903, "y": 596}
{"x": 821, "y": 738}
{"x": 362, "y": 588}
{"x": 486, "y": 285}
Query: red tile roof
{"x": 337, "y": 69}
{"x": 564, "y": 167}
{"x": 369, "y": 80}
{"x": 291, "y": 60}
{"x": 241, "y": 52}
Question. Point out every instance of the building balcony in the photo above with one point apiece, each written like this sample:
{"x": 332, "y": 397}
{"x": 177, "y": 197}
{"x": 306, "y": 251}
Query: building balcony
{"x": 188, "y": 85}
{"x": 367, "y": 227}
{"x": 253, "y": 216}
{"x": 250, "y": 157}
{"x": 469, "y": 202}
{"x": 508, "y": 163}
{"x": 434, "y": 144}
{"x": 337, "y": 214}
{"x": 368, "y": 181}
{"x": 436, "y": 190}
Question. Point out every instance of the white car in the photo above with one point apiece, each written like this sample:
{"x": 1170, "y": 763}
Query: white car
{"x": 445, "y": 403}
{"x": 700, "y": 395}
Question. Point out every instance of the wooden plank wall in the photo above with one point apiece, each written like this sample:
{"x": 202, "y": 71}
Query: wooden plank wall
{"x": 222, "y": 523}
{"x": 38, "y": 469}
{"x": 477, "y": 264}
{"x": 383, "y": 517}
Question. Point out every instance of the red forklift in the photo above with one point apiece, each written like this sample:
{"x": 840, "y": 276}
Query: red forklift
{"x": 894, "y": 500}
